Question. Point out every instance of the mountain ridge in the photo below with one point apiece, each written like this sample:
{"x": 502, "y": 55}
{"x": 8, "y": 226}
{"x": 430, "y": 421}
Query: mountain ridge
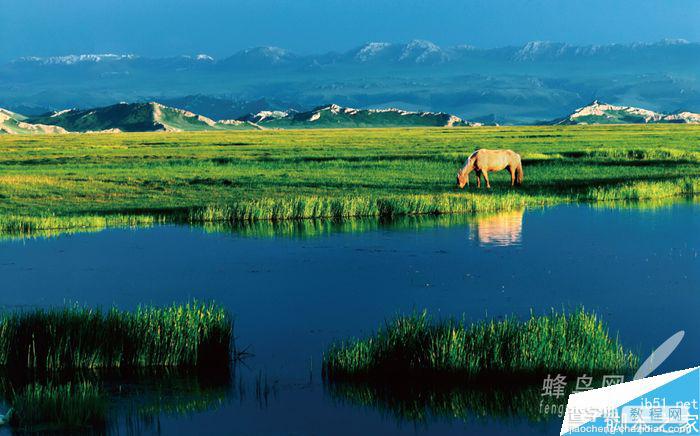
{"x": 417, "y": 50}
{"x": 154, "y": 116}
{"x": 515, "y": 85}
{"x": 603, "y": 113}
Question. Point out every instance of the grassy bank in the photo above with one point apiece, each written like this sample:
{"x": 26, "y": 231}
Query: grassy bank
{"x": 80, "y": 181}
{"x": 59, "y": 407}
{"x": 194, "y": 334}
{"x": 418, "y": 347}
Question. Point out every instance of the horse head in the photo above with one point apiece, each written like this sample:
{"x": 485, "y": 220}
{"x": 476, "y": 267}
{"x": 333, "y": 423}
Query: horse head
{"x": 462, "y": 179}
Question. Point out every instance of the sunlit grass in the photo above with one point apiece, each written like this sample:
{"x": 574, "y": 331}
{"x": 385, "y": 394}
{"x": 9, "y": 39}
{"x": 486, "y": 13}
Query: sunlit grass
{"x": 416, "y": 346}
{"x": 97, "y": 181}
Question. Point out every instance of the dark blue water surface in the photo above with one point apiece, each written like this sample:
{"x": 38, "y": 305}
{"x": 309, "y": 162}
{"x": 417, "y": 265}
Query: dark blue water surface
{"x": 293, "y": 294}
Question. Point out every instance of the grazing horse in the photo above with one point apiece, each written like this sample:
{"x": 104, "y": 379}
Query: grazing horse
{"x": 482, "y": 161}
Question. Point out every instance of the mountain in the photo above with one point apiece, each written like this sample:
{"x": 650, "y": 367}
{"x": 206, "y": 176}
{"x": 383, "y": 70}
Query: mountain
{"x": 603, "y": 113}
{"x": 152, "y": 116}
{"x": 133, "y": 117}
{"x": 334, "y": 116}
{"x": 14, "y": 124}
{"x": 522, "y": 84}
{"x": 219, "y": 107}
{"x": 260, "y": 57}
{"x": 418, "y": 52}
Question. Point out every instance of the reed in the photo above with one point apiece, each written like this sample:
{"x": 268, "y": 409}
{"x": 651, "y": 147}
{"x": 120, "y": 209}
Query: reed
{"x": 191, "y": 335}
{"x": 417, "y": 347}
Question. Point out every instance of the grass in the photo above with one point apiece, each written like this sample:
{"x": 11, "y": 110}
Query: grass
{"x": 191, "y": 335}
{"x": 52, "y": 407}
{"x": 415, "y": 346}
{"x": 96, "y": 181}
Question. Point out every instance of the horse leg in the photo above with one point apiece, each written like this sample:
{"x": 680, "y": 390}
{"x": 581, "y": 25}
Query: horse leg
{"x": 512, "y": 175}
{"x": 486, "y": 178}
{"x": 478, "y": 178}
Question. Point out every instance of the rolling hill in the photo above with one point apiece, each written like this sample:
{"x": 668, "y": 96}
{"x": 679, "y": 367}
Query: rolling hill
{"x": 134, "y": 117}
{"x": 335, "y": 116}
{"x": 14, "y": 124}
{"x": 152, "y": 117}
{"x": 603, "y": 113}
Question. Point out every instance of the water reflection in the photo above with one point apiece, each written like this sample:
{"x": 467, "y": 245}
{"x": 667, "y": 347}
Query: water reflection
{"x": 499, "y": 230}
{"x": 423, "y": 403}
{"x": 139, "y": 399}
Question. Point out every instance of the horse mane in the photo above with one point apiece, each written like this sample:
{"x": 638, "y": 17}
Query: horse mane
{"x": 470, "y": 159}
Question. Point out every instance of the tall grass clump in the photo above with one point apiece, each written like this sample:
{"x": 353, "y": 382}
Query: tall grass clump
{"x": 191, "y": 335}
{"x": 313, "y": 207}
{"x": 686, "y": 186}
{"x": 53, "y": 407}
{"x": 416, "y": 346}
{"x": 49, "y": 225}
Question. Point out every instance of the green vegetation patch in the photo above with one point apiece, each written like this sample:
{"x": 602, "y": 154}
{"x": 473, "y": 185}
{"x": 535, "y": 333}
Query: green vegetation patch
{"x": 416, "y": 346}
{"x": 194, "y": 334}
{"x": 59, "y": 182}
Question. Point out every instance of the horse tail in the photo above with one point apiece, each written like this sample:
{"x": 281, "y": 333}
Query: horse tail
{"x": 519, "y": 173}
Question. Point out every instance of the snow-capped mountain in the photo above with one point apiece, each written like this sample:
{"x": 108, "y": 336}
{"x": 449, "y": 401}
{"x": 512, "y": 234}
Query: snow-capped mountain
{"x": 603, "y": 113}
{"x": 337, "y": 116}
{"x": 261, "y": 57}
{"x": 518, "y": 84}
{"x": 76, "y": 59}
{"x": 416, "y": 51}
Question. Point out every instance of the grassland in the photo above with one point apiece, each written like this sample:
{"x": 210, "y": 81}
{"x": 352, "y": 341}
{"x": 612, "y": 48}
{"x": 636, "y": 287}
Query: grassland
{"x": 415, "y": 347}
{"x": 58, "y": 182}
{"x": 190, "y": 335}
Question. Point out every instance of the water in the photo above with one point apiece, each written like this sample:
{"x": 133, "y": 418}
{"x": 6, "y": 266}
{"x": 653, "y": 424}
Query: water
{"x": 294, "y": 290}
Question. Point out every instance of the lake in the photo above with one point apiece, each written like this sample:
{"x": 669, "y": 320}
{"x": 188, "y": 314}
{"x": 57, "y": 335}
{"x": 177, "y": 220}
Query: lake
{"x": 295, "y": 288}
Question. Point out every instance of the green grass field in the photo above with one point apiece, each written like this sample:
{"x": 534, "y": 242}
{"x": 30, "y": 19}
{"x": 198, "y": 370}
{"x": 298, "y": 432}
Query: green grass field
{"x": 99, "y": 180}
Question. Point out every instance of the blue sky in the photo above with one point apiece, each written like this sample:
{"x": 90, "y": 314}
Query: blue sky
{"x": 219, "y": 28}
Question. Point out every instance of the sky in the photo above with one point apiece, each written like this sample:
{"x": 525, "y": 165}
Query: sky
{"x": 220, "y": 28}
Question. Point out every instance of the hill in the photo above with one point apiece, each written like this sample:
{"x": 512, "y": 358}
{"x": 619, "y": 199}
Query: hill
{"x": 153, "y": 117}
{"x": 603, "y": 113}
{"x": 335, "y": 116}
{"x": 14, "y": 124}
{"x": 133, "y": 117}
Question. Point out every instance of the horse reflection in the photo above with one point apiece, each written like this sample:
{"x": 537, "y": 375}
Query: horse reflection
{"x": 500, "y": 230}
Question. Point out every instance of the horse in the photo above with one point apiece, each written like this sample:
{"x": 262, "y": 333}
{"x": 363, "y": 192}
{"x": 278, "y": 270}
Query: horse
{"x": 482, "y": 161}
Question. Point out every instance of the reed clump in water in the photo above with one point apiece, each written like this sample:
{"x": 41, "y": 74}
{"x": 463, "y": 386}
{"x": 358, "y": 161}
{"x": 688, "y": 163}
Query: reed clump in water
{"x": 191, "y": 335}
{"x": 53, "y": 407}
{"x": 416, "y": 346}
